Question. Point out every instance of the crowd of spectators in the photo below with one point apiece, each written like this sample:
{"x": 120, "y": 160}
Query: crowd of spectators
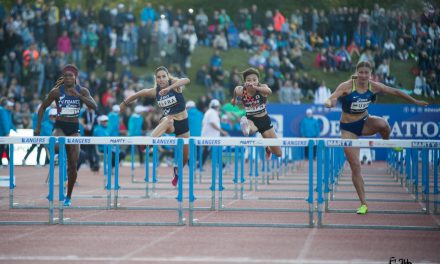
{"x": 37, "y": 39}
{"x": 340, "y": 37}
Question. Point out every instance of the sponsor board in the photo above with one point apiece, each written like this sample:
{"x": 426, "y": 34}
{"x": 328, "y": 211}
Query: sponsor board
{"x": 339, "y": 143}
{"x": 164, "y": 141}
{"x": 118, "y": 140}
{"x": 406, "y": 121}
{"x": 384, "y": 144}
{"x": 250, "y": 142}
{"x": 425, "y": 144}
{"x": 78, "y": 140}
{"x": 295, "y": 143}
{"x": 33, "y": 140}
{"x": 208, "y": 142}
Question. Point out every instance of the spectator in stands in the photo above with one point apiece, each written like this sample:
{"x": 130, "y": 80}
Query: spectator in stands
{"x": 402, "y": 50}
{"x": 245, "y": 40}
{"x": 297, "y": 94}
{"x": 218, "y": 92}
{"x": 353, "y": 50}
{"x": 433, "y": 83}
{"x": 295, "y": 57}
{"x": 201, "y": 74}
{"x": 343, "y": 59}
{"x": 220, "y": 41}
{"x": 215, "y": 59}
{"x": 322, "y": 93}
{"x": 64, "y": 44}
{"x": 285, "y": 94}
{"x": 421, "y": 86}
{"x": 389, "y": 49}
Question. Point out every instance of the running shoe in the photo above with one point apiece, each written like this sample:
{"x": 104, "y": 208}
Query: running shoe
{"x": 362, "y": 210}
{"x": 67, "y": 202}
{"x": 244, "y": 125}
{"x": 268, "y": 153}
{"x": 175, "y": 179}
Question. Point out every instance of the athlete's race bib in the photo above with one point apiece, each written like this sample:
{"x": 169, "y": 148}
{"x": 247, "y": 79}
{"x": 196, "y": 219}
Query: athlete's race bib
{"x": 168, "y": 102}
{"x": 69, "y": 111}
{"x": 255, "y": 109}
{"x": 360, "y": 106}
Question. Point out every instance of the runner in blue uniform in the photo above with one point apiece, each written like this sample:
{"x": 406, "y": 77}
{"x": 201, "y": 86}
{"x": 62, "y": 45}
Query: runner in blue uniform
{"x": 355, "y": 95}
{"x": 168, "y": 93}
{"x": 68, "y": 96}
{"x": 253, "y": 96}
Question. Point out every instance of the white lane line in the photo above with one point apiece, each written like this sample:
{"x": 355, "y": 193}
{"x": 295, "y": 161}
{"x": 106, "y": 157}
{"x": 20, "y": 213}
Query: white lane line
{"x": 183, "y": 259}
{"x": 160, "y": 239}
{"x": 307, "y": 244}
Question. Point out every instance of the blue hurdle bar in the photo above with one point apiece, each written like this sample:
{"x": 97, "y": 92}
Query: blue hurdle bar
{"x": 12, "y": 185}
{"x": 396, "y": 160}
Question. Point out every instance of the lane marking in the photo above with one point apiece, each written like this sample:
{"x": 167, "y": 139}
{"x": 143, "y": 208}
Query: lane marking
{"x": 178, "y": 259}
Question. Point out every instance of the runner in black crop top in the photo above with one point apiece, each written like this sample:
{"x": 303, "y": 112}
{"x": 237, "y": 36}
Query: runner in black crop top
{"x": 168, "y": 94}
{"x": 254, "y": 97}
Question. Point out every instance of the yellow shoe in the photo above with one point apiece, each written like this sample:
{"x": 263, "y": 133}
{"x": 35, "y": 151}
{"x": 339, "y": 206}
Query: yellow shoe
{"x": 362, "y": 210}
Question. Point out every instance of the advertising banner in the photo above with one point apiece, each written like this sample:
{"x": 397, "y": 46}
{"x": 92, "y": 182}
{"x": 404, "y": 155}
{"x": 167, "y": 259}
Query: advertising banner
{"x": 407, "y": 121}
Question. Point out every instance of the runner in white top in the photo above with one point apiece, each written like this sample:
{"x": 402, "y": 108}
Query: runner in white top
{"x": 211, "y": 126}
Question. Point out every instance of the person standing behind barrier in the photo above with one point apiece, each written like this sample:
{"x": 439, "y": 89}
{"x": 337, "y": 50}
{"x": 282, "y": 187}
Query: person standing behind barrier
{"x": 6, "y": 125}
{"x": 38, "y": 146}
{"x": 46, "y": 131}
{"x": 211, "y": 126}
{"x": 101, "y": 130}
{"x": 355, "y": 95}
{"x": 135, "y": 129}
{"x": 254, "y": 97}
{"x": 68, "y": 96}
{"x": 309, "y": 128}
{"x": 113, "y": 122}
{"x": 88, "y": 120}
{"x": 168, "y": 93}
{"x": 195, "y": 118}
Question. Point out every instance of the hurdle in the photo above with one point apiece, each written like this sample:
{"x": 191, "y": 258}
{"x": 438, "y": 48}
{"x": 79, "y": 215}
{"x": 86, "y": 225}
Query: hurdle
{"x": 11, "y": 141}
{"x": 217, "y": 144}
{"x": 112, "y": 182}
{"x": 272, "y": 169}
{"x": 333, "y": 167}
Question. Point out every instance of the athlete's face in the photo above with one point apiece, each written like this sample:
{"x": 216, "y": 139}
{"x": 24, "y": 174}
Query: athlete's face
{"x": 162, "y": 79}
{"x": 69, "y": 78}
{"x": 251, "y": 79}
{"x": 363, "y": 74}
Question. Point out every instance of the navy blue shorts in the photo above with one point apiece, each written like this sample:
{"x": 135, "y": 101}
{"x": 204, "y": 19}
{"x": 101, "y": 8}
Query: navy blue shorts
{"x": 68, "y": 128}
{"x": 354, "y": 127}
{"x": 181, "y": 126}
